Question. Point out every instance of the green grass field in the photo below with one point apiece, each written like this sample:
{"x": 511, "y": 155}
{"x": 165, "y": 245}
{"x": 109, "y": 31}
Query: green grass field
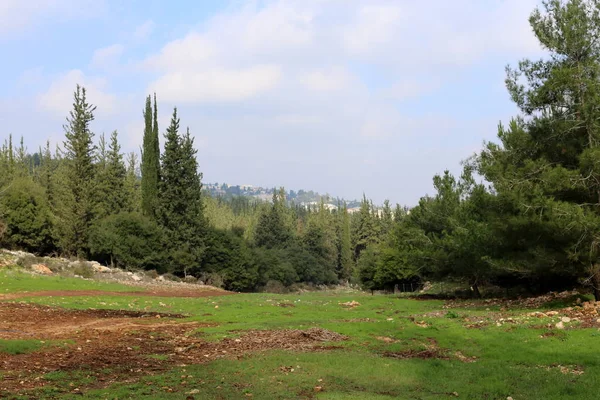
{"x": 397, "y": 349}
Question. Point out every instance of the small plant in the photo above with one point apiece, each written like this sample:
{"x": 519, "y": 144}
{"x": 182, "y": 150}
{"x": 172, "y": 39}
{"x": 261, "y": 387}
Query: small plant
{"x": 84, "y": 270}
{"x": 152, "y": 274}
{"x": 171, "y": 277}
{"x": 451, "y": 314}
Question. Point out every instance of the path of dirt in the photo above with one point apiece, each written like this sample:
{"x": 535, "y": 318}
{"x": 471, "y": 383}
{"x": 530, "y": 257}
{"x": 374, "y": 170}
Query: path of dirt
{"x": 173, "y": 292}
{"x": 112, "y": 345}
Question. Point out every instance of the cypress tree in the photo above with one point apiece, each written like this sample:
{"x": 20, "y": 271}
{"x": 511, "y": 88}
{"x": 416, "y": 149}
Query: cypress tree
{"x": 150, "y": 160}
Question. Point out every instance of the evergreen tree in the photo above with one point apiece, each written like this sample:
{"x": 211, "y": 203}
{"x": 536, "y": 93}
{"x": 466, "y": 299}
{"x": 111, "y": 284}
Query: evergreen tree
{"x": 181, "y": 210}
{"x": 364, "y": 230}
{"x": 111, "y": 177}
{"x": 271, "y": 230}
{"x": 345, "y": 265}
{"x": 150, "y": 160}
{"x": 132, "y": 188}
{"x": 78, "y": 202}
{"x": 386, "y": 218}
{"x": 546, "y": 167}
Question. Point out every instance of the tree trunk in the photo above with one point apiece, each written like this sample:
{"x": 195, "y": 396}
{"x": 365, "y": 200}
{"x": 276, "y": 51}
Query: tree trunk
{"x": 475, "y": 290}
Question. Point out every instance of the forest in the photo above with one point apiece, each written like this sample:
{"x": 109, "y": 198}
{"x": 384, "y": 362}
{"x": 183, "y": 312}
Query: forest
{"x": 524, "y": 212}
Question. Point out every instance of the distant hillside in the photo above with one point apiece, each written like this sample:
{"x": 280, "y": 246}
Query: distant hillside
{"x": 302, "y": 197}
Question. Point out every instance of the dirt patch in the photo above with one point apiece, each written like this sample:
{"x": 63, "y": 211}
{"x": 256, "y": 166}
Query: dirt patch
{"x": 96, "y": 293}
{"x": 110, "y": 345}
{"x": 31, "y": 321}
{"x": 412, "y": 353}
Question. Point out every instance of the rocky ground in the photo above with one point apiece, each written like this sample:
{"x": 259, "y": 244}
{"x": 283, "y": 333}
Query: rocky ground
{"x": 124, "y": 342}
{"x": 93, "y": 270}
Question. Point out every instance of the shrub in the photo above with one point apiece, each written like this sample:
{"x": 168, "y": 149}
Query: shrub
{"x": 127, "y": 240}
{"x": 84, "y": 270}
{"x": 171, "y": 277}
{"x": 273, "y": 286}
{"x": 212, "y": 278}
{"x": 27, "y": 219}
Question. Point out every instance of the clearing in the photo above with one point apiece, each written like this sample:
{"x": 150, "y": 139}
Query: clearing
{"x": 109, "y": 341}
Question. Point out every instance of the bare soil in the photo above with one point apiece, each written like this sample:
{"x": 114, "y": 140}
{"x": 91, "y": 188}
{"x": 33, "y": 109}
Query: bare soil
{"x": 146, "y": 293}
{"x": 112, "y": 345}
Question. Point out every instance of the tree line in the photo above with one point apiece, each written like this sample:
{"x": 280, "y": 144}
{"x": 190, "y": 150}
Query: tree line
{"x": 524, "y": 212}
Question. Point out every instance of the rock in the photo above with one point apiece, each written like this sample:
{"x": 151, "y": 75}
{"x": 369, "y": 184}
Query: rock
{"x": 509, "y": 398}
{"x": 136, "y": 277}
{"x": 552, "y": 313}
{"x": 351, "y": 304}
{"x": 193, "y": 391}
{"x": 566, "y": 320}
{"x": 41, "y": 269}
{"x": 560, "y": 325}
{"x": 97, "y": 267}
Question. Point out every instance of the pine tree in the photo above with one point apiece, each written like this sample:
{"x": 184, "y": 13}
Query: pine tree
{"x": 271, "y": 230}
{"x": 111, "y": 177}
{"x": 345, "y": 265}
{"x": 150, "y": 160}
{"x": 132, "y": 188}
{"x": 77, "y": 210}
{"x": 546, "y": 167}
{"x": 180, "y": 207}
{"x": 386, "y": 218}
{"x": 45, "y": 174}
{"x": 364, "y": 230}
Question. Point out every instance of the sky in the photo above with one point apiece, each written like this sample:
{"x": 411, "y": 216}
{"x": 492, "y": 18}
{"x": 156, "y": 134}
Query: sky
{"x": 338, "y": 96}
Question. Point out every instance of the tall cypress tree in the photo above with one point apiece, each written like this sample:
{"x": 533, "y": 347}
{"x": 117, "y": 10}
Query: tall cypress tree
{"x": 150, "y": 159}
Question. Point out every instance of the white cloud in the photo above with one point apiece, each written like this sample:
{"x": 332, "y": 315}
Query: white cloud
{"x": 16, "y": 15}
{"x": 144, "y": 30}
{"x": 188, "y": 53}
{"x": 407, "y": 89}
{"x": 216, "y": 84}
{"x": 374, "y": 25}
{"x": 59, "y": 96}
{"x": 107, "y": 56}
{"x": 327, "y": 79}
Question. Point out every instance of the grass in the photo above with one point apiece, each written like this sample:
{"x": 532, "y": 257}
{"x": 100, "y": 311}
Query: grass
{"x": 514, "y": 360}
{"x": 20, "y": 346}
{"x": 14, "y": 280}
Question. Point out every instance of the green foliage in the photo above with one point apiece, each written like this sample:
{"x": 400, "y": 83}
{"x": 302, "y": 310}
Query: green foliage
{"x": 77, "y": 210}
{"x": 150, "y": 160}
{"x": 26, "y": 216}
{"x": 127, "y": 240}
{"x": 111, "y": 191}
{"x": 180, "y": 210}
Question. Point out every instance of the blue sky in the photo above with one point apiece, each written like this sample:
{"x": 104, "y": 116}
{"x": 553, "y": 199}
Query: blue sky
{"x": 337, "y": 96}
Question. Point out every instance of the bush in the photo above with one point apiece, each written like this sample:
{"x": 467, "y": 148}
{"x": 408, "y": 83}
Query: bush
{"x": 275, "y": 287}
{"x": 84, "y": 270}
{"x": 27, "y": 219}
{"x": 171, "y": 277}
{"x": 212, "y": 278}
{"x": 127, "y": 240}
